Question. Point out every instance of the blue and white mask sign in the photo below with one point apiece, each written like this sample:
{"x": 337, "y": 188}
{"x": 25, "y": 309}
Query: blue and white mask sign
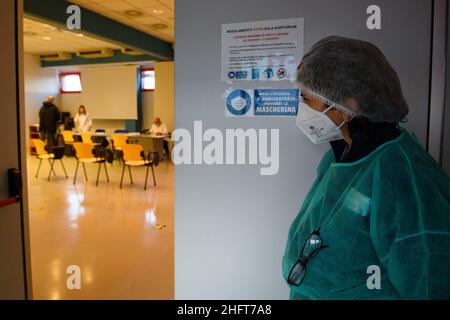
{"x": 239, "y": 102}
{"x": 261, "y": 102}
{"x": 262, "y": 50}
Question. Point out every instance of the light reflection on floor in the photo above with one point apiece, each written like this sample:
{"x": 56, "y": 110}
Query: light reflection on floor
{"x": 109, "y": 233}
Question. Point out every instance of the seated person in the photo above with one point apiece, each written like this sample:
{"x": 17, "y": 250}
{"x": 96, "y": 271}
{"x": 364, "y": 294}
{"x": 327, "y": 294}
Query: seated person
{"x": 158, "y": 128}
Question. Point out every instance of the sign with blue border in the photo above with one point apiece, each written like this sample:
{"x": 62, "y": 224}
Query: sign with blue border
{"x": 276, "y": 102}
{"x": 262, "y": 102}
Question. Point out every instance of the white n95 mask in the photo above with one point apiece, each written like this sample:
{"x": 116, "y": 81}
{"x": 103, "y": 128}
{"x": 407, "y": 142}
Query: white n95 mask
{"x": 317, "y": 126}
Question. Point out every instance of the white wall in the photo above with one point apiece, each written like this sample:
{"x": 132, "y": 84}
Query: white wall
{"x": 147, "y": 109}
{"x": 164, "y": 96}
{"x": 39, "y": 84}
{"x": 100, "y": 84}
{"x": 109, "y": 93}
{"x": 160, "y": 103}
{"x": 71, "y": 103}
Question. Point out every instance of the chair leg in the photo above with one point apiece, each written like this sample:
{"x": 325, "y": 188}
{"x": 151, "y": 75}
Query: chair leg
{"x": 85, "y": 174}
{"x": 76, "y": 172}
{"x": 50, "y": 172}
{"x": 118, "y": 156}
{"x": 131, "y": 177}
{"x": 51, "y": 168}
{"x": 39, "y": 167}
{"x": 98, "y": 173}
{"x": 114, "y": 157}
{"x": 154, "y": 180}
{"x": 121, "y": 179}
{"x": 106, "y": 171}
{"x": 146, "y": 178}
{"x": 62, "y": 165}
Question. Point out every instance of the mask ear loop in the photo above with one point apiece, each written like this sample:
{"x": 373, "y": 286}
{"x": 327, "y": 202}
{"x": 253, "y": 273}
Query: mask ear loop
{"x": 343, "y": 122}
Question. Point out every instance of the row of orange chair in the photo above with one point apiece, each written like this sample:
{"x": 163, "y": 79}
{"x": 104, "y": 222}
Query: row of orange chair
{"x": 133, "y": 156}
{"x": 118, "y": 140}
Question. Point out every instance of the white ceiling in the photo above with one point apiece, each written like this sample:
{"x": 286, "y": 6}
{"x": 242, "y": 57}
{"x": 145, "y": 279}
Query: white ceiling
{"x": 43, "y": 38}
{"x": 153, "y": 12}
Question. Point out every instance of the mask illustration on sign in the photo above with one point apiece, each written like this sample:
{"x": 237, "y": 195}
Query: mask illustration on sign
{"x": 317, "y": 126}
{"x": 238, "y": 103}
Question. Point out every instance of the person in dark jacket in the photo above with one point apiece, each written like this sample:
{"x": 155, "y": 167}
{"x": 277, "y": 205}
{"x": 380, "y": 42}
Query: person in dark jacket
{"x": 49, "y": 117}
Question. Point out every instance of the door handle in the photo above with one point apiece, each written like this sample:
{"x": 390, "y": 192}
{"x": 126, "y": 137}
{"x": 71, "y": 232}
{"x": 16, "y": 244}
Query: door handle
{"x": 14, "y": 188}
{"x": 9, "y": 201}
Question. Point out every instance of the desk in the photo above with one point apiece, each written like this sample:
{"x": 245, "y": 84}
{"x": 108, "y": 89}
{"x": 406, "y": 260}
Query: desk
{"x": 149, "y": 142}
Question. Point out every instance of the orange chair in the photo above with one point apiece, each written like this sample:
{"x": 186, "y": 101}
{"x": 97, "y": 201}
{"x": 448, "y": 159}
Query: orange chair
{"x": 42, "y": 154}
{"x": 86, "y": 137}
{"x": 68, "y": 141}
{"x": 68, "y": 137}
{"x": 84, "y": 154}
{"x": 118, "y": 141}
{"x": 133, "y": 156}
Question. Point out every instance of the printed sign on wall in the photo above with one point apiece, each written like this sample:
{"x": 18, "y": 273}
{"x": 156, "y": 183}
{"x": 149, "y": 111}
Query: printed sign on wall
{"x": 239, "y": 102}
{"x": 262, "y": 50}
{"x": 262, "y": 102}
{"x": 276, "y": 102}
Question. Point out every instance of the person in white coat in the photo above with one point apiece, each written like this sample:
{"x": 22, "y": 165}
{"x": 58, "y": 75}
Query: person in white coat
{"x": 159, "y": 128}
{"x": 83, "y": 120}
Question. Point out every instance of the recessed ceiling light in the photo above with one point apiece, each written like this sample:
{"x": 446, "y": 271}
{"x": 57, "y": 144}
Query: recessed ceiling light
{"x": 159, "y": 26}
{"x": 46, "y": 38}
{"x": 158, "y": 11}
{"x": 133, "y": 13}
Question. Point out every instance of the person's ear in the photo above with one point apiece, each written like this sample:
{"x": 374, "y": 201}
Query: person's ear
{"x": 352, "y": 103}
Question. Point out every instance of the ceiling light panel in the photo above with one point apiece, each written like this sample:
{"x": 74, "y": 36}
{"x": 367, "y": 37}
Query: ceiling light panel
{"x": 161, "y": 10}
{"x": 58, "y": 40}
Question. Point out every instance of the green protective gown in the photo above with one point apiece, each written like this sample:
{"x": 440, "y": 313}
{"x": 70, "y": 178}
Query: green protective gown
{"x": 390, "y": 209}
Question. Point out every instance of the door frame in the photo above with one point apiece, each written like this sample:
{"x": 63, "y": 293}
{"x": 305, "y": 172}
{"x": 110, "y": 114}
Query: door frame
{"x": 436, "y": 112}
{"x": 21, "y": 137}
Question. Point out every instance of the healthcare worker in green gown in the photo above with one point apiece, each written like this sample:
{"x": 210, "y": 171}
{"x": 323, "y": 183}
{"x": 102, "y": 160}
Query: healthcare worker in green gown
{"x": 376, "y": 222}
